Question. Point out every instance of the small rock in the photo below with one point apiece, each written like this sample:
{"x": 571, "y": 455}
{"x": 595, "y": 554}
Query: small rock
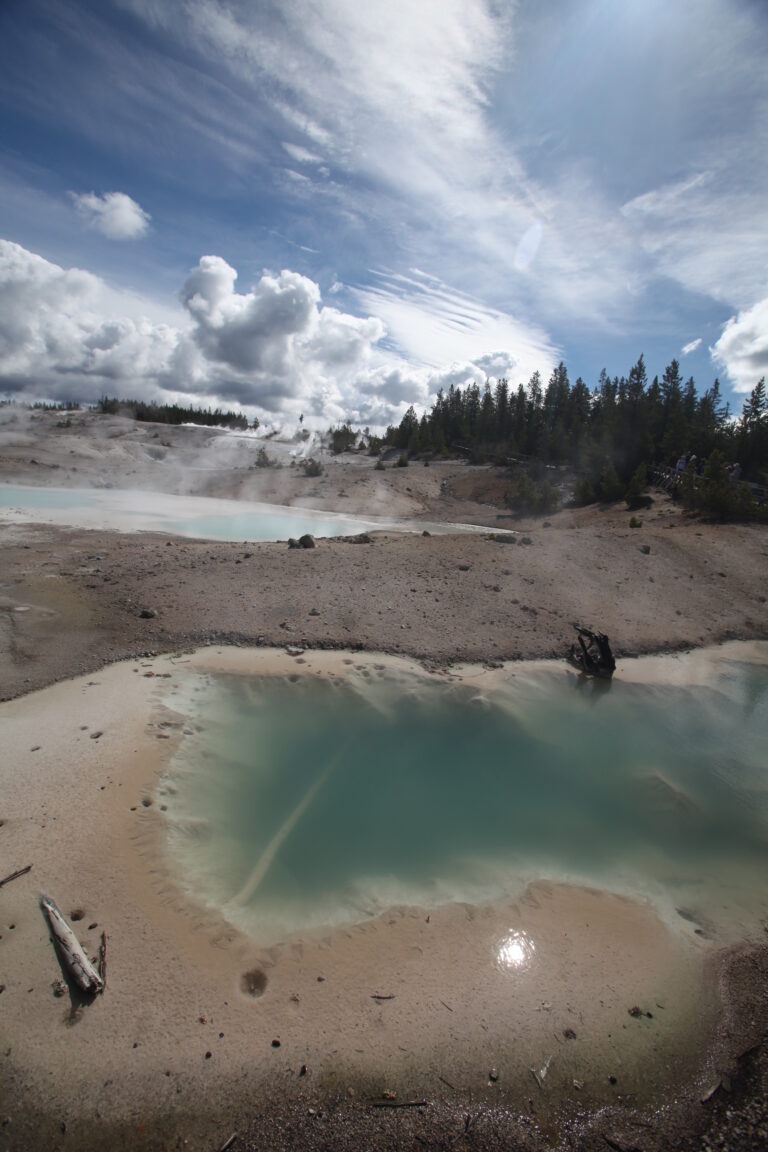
{"x": 293, "y": 542}
{"x": 307, "y": 541}
{"x": 645, "y": 549}
{"x": 314, "y": 612}
{"x": 59, "y": 989}
{"x": 303, "y": 1070}
{"x": 569, "y": 1034}
{"x": 612, "y": 1080}
{"x": 463, "y": 567}
{"x": 493, "y": 1075}
{"x": 275, "y": 1043}
{"x": 425, "y": 533}
{"x": 96, "y": 735}
{"x": 147, "y": 614}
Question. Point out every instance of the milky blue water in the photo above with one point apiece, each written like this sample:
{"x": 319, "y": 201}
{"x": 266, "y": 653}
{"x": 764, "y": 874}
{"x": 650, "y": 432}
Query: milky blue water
{"x": 300, "y": 804}
{"x": 196, "y": 516}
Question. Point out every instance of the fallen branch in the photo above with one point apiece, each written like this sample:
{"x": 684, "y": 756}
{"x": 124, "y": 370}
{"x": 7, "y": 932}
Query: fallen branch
{"x": 15, "y": 875}
{"x": 103, "y": 959}
{"x": 380, "y": 996}
{"x": 228, "y": 1143}
{"x": 399, "y": 1103}
{"x": 77, "y": 963}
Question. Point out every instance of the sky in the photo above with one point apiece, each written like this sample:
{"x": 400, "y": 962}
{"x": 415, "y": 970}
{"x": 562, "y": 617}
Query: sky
{"x": 335, "y": 208}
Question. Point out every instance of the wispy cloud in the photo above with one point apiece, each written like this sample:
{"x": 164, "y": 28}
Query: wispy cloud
{"x": 688, "y": 348}
{"x": 430, "y": 323}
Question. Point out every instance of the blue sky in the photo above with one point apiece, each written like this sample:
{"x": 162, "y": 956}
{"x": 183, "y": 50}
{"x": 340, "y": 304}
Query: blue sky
{"x": 336, "y": 208}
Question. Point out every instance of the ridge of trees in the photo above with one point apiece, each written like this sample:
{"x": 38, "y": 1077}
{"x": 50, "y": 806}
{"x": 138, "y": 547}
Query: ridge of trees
{"x": 605, "y": 434}
{"x": 152, "y": 412}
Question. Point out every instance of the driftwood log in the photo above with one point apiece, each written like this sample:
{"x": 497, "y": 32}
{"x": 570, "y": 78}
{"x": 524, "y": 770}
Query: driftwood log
{"x": 72, "y": 955}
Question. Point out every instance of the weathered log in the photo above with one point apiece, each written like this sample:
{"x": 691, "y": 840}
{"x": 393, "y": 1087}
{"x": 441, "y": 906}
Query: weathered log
{"x": 77, "y": 963}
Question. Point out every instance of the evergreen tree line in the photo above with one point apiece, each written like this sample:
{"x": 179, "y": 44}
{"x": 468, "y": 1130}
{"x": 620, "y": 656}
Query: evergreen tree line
{"x": 605, "y": 434}
{"x": 174, "y": 413}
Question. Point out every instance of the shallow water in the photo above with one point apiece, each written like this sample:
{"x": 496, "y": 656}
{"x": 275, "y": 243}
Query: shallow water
{"x": 302, "y": 804}
{"x": 196, "y": 516}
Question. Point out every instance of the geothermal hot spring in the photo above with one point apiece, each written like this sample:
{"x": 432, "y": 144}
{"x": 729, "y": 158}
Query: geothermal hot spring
{"x": 316, "y": 798}
{"x": 204, "y": 517}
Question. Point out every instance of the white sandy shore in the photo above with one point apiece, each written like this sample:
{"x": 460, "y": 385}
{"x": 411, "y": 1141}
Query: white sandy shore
{"x": 72, "y": 807}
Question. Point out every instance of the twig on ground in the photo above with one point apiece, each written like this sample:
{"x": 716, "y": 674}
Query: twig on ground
{"x": 399, "y": 1103}
{"x": 15, "y": 875}
{"x": 103, "y": 959}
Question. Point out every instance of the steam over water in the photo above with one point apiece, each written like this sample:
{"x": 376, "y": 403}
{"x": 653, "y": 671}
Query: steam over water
{"x": 203, "y": 517}
{"x": 303, "y": 804}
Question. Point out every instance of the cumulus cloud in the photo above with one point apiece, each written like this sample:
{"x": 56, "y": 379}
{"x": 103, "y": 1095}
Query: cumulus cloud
{"x": 114, "y": 214}
{"x": 274, "y": 348}
{"x": 743, "y": 347}
{"x": 56, "y": 337}
{"x": 688, "y": 348}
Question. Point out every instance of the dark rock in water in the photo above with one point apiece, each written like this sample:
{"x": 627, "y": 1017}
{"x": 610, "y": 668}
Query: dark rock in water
{"x": 147, "y": 614}
{"x": 307, "y": 541}
{"x": 293, "y": 542}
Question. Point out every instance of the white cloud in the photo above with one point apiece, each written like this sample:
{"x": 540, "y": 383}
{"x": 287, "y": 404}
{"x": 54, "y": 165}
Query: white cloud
{"x": 62, "y": 334}
{"x": 709, "y": 232}
{"x": 114, "y": 214}
{"x": 300, "y": 154}
{"x": 434, "y": 324}
{"x": 274, "y": 348}
{"x": 688, "y": 348}
{"x": 743, "y": 347}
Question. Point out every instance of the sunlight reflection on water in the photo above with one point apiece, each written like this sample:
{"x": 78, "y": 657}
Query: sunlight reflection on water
{"x": 515, "y": 952}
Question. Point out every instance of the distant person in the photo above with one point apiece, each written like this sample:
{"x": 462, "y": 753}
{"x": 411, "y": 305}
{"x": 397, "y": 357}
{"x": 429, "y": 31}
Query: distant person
{"x": 735, "y": 473}
{"x": 680, "y": 466}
